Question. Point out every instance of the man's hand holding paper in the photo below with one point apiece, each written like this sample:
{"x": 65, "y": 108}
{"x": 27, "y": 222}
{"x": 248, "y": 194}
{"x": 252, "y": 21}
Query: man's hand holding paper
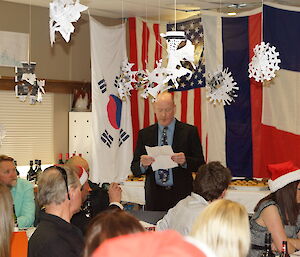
{"x": 162, "y": 157}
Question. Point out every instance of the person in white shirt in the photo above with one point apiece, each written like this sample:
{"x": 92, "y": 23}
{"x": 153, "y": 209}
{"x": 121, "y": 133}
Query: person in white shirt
{"x": 211, "y": 183}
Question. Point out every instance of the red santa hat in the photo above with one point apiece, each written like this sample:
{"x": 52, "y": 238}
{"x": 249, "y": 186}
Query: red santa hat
{"x": 282, "y": 174}
{"x": 83, "y": 175}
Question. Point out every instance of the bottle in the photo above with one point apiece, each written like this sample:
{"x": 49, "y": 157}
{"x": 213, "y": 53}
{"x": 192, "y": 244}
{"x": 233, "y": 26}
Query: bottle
{"x": 60, "y": 160}
{"x": 67, "y": 157}
{"x": 16, "y": 165}
{"x": 30, "y": 173}
{"x": 268, "y": 249}
{"x": 38, "y": 171}
{"x": 284, "y": 251}
{"x": 16, "y": 227}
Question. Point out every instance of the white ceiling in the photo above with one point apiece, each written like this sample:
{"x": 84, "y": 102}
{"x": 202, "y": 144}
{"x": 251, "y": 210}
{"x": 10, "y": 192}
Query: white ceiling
{"x": 160, "y": 8}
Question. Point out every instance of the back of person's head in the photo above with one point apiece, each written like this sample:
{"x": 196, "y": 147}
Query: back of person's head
{"x": 152, "y": 244}
{"x": 76, "y": 161}
{"x": 211, "y": 180}
{"x": 6, "y": 221}
{"x": 108, "y": 224}
{"x": 52, "y": 184}
{"x": 224, "y": 227}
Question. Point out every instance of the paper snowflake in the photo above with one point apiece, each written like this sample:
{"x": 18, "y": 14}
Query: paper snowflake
{"x": 221, "y": 87}
{"x": 156, "y": 80}
{"x": 264, "y": 63}
{"x": 2, "y": 133}
{"x": 62, "y": 14}
{"x": 124, "y": 80}
{"x": 28, "y": 84}
{"x": 179, "y": 49}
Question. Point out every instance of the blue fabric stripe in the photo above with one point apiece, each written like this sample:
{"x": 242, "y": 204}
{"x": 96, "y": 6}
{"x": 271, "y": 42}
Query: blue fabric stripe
{"x": 238, "y": 114}
{"x": 282, "y": 29}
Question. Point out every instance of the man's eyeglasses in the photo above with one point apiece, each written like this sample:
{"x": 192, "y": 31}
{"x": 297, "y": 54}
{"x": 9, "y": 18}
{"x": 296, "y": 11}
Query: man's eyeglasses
{"x": 64, "y": 175}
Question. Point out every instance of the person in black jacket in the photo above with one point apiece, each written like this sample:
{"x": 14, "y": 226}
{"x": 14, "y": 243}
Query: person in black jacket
{"x": 95, "y": 199}
{"x": 59, "y": 192}
{"x": 165, "y": 188}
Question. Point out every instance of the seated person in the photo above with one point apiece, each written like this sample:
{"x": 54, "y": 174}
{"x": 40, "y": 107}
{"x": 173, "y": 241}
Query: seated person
{"x": 21, "y": 190}
{"x": 108, "y": 224}
{"x": 224, "y": 227}
{"x": 152, "y": 244}
{"x": 278, "y": 213}
{"x": 59, "y": 192}
{"x": 6, "y": 221}
{"x": 211, "y": 183}
{"x": 94, "y": 198}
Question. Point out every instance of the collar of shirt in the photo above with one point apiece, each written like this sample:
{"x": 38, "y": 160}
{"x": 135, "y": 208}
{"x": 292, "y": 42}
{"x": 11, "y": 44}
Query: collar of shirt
{"x": 170, "y": 132}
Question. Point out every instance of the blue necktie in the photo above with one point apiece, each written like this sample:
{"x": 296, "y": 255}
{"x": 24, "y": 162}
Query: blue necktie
{"x": 164, "y": 174}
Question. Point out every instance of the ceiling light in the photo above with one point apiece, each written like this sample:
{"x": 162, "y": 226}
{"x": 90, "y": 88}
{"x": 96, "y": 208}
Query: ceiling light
{"x": 231, "y": 13}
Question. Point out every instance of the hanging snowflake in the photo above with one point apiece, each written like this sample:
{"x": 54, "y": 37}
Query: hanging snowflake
{"x": 264, "y": 63}
{"x": 156, "y": 80}
{"x": 62, "y": 14}
{"x": 124, "y": 80}
{"x": 28, "y": 84}
{"x": 2, "y": 133}
{"x": 221, "y": 87}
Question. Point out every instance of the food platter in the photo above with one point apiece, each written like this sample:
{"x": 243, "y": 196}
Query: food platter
{"x": 249, "y": 184}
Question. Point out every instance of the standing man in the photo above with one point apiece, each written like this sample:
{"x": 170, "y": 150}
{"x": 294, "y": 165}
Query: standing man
{"x": 21, "y": 190}
{"x": 165, "y": 188}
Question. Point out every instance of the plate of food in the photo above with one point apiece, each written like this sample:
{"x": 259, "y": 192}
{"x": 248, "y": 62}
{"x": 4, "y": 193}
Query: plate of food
{"x": 249, "y": 184}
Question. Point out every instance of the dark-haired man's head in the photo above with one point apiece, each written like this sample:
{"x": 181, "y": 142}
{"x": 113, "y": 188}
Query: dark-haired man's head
{"x": 212, "y": 180}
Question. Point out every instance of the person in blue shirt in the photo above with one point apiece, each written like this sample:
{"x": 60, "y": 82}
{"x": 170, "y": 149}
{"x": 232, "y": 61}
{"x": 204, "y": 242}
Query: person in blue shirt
{"x": 21, "y": 190}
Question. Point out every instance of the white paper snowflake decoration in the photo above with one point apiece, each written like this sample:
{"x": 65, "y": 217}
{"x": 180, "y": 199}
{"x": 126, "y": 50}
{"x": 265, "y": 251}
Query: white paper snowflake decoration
{"x": 179, "y": 49}
{"x": 264, "y": 63}
{"x": 2, "y": 133}
{"x": 221, "y": 87}
{"x": 124, "y": 80}
{"x": 62, "y": 14}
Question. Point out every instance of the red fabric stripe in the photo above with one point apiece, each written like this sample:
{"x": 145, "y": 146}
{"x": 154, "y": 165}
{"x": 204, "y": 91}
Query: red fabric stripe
{"x": 254, "y": 30}
{"x": 158, "y": 48}
{"x": 278, "y": 146}
{"x": 145, "y": 45}
{"x": 197, "y": 110}
{"x": 184, "y": 95}
{"x": 134, "y": 97}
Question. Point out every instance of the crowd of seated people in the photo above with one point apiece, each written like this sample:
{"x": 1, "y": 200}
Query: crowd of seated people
{"x": 213, "y": 227}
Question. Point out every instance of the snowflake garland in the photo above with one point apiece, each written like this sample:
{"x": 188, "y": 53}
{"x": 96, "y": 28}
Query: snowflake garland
{"x": 221, "y": 87}
{"x": 62, "y": 14}
{"x": 27, "y": 83}
{"x": 124, "y": 80}
{"x": 264, "y": 63}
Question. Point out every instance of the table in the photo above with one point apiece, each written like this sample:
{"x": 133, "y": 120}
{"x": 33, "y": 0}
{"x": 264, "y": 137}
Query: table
{"x": 134, "y": 192}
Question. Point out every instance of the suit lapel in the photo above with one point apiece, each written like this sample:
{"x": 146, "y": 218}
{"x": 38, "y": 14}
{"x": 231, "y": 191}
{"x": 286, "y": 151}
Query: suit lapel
{"x": 176, "y": 137}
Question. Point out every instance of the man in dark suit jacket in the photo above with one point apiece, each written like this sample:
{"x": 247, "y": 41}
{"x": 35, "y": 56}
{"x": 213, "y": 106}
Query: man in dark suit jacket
{"x": 162, "y": 195}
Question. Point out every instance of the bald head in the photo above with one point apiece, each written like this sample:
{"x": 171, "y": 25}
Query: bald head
{"x": 76, "y": 161}
{"x": 164, "y": 108}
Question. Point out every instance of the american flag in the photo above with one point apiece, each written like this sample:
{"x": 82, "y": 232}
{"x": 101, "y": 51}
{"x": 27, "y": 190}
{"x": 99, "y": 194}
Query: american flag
{"x": 146, "y": 47}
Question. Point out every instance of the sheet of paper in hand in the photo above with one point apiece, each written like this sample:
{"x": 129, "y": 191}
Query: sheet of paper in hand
{"x": 162, "y": 156}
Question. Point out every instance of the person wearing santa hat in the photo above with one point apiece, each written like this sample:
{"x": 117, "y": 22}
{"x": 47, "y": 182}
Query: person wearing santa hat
{"x": 94, "y": 198}
{"x": 278, "y": 212}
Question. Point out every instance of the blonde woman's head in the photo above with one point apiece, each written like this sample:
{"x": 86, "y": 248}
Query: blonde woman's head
{"x": 224, "y": 227}
{"x": 6, "y": 221}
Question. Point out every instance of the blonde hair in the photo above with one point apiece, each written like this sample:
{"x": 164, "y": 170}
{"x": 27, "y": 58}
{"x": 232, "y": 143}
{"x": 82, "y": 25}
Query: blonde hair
{"x": 224, "y": 227}
{"x": 6, "y": 221}
{"x": 52, "y": 186}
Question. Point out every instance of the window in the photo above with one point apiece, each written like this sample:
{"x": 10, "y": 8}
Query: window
{"x": 29, "y": 128}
